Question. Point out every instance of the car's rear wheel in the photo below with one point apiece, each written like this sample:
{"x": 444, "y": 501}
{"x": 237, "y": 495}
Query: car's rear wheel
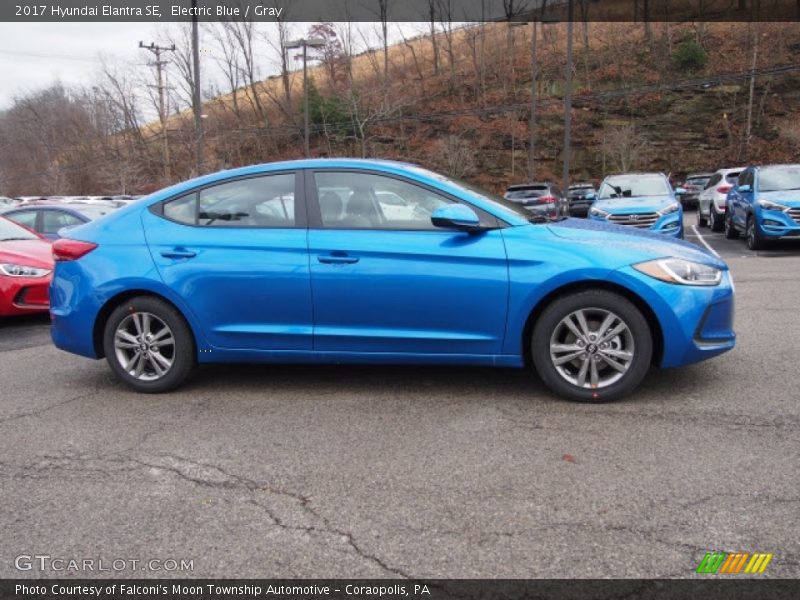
{"x": 715, "y": 220}
{"x": 730, "y": 230}
{"x": 593, "y": 346}
{"x": 755, "y": 241}
{"x": 701, "y": 221}
{"x": 148, "y": 345}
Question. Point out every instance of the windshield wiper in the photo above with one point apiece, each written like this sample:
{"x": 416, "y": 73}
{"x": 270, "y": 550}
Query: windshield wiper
{"x": 16, "y": 239}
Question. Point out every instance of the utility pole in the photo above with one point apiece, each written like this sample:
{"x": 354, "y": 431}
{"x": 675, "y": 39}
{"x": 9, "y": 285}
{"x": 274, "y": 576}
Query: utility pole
{"x": 568, "y": 98}
{"x": 305, "y": 44}
{"x": 162, "y": 111}
{"x": 198, "y": 117}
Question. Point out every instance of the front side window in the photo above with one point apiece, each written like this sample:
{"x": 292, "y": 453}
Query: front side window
{"x": 350, "y": 200}
{"x": 266, "y": 201}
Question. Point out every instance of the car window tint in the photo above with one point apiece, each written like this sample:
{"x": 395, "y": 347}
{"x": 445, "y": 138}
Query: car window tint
{"x": 266, "y": 201}
{"x": 714, "y": 180}
{"x": 27, "y": 218}
{"x": 363, "y": 200}
{"x": 53, "y": 220}
{"x": 183, "y": 209}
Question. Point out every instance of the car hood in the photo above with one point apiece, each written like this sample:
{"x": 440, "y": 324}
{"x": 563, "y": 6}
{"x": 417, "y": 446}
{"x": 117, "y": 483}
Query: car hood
{"x": 31, "y": 253}
{"x": 790, "y": 198}
{"x": 643, "y": 204}
{"x": 640, "y": 244}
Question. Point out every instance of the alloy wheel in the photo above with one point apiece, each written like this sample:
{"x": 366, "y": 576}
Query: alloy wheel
{"x": 144, "y": 346}
{"x": 592, "y": 348}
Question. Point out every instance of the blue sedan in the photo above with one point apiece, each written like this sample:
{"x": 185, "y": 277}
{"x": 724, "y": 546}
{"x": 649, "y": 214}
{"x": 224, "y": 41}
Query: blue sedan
{"x": 643, "y": 200}
{"x": 764, "y": 205}
{"x": 366, "y": 261}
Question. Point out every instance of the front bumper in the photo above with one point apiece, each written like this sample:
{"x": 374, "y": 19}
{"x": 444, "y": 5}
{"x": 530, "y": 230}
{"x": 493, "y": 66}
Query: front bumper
{"x": 24, "y": 295}
{"x": 696, "y": 322}
{"x": 777, "y": 224}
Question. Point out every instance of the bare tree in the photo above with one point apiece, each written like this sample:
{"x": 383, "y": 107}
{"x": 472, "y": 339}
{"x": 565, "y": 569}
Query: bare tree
{"x": 625, "y": 146}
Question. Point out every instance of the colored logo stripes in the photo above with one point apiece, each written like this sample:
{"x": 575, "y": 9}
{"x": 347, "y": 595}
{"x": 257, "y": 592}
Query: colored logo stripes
{"x": 734, "y": 563}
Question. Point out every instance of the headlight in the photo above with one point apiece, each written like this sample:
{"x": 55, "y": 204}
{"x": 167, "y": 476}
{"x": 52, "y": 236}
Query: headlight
{"x": 668, "y": 210}
{"x": 769, "y": 205}
{"x": 677, "y": 270}
{"x": 22, "y": 271}
{"x": 598, "y": 212}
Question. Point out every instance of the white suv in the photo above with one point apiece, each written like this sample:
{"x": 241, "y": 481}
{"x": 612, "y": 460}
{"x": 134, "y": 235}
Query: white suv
{"x": 711, "y": 201}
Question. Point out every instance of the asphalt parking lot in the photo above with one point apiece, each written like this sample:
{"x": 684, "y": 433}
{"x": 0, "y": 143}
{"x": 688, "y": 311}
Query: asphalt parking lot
{"x": 411, "y": 472}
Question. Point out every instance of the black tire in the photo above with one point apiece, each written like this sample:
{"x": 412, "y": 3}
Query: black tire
{"x": 715, "y": 221}
{"x": 753, "y": 236}
{"x": 731, "y": 233}
{"x": 181, "y": 353}
{"x": 701, "y": 221}
{"x": 550, "y": 322}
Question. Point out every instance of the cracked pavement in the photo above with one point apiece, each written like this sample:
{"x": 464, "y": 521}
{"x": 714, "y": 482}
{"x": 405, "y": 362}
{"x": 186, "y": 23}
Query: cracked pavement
{"x": 293, "y": 471}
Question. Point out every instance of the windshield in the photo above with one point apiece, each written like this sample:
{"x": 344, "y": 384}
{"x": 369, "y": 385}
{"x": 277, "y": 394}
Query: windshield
{"x": 521, "y": 194}
{"x": 474, "y": 190}
{"x": 698, "y": 181}
{"x": 774, "y": 179}
{"x": 12, "y": 231}
{"x": 634, "y": 186}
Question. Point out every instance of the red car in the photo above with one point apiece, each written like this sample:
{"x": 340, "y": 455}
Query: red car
{"x": 26, "y": 266}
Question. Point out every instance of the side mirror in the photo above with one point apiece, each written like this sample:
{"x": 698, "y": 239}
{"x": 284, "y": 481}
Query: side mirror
{"x": 680, "y": 191}
{"x": 456, "y": 216}
{"x": 744, "y": 189}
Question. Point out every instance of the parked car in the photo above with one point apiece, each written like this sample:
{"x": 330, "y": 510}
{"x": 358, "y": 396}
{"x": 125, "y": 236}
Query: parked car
{"x": 545, "y": 199}
{"x": 581, "y": 196}
{"x": 48, "y": 219}
{"x": 245, "y": 266}
{"x": 764, "y": 205}
{"x": 694, "y": 185}
{"x": 712, "y": 200}
{"x": 26, "y": 266}
{"x": 642, "y": 200}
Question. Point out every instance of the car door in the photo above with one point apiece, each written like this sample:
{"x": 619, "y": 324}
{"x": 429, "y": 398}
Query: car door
{"x": 236, "y": 253}
{"x": 704, "y": 200}
{"x": 388, "y": 281}
{"x": 741, "y": 200}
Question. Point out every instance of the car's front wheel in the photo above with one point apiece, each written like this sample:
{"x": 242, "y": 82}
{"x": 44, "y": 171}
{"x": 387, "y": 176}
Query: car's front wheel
{"x": 593, "y": 346}
{"x": 701, "y": 220}
{"x": 148, "y": 345}
{"x": 755, "y": 240}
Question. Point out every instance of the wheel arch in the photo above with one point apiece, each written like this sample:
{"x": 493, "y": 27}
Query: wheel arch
{"x": 112, "y": 303}
{"x": 582, "y": 286}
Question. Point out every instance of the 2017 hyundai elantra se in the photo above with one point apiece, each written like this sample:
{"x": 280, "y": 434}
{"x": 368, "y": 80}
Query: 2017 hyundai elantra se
{"x": 304, "y": 262}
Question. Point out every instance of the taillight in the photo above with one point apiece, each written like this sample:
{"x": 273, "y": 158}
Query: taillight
{"x": 66, "y": 249}
{"x": 724, "y": 189}
{"x": 546, "y": 200}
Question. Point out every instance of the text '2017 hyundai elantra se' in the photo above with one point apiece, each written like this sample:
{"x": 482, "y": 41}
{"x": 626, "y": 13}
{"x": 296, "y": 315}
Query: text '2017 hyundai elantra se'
{"x": 316, "y": 261}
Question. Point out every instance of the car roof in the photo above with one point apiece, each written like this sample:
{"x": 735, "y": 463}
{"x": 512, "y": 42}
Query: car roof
{"x": 795, "y": 165}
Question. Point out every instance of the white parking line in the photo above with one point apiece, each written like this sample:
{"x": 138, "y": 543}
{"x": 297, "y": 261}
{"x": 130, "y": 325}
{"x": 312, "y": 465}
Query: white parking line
{"x": 705, "y": 243}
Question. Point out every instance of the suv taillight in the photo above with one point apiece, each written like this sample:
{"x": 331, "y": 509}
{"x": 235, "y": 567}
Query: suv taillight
{"x": 724, "y": 189}
{"x": 546, "y": 200}
{"x": 66, "y": 249}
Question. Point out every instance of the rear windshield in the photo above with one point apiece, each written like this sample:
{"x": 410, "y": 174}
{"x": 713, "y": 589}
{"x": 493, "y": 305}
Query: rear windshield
{"x": 521, "y": 194}
{"x": 774, "y": 179}
{"x": 732, "y": 177}
{"x": 698, "y": 180}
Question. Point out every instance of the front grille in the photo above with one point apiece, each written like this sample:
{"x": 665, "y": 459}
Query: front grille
{"x": 794, "y": 213}
{"x": 641, "y": 220}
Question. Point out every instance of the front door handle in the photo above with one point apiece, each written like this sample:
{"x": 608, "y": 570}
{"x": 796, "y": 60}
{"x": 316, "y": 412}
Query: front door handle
{"x": 178, "y": 253}
{"x": 337, "y": 258}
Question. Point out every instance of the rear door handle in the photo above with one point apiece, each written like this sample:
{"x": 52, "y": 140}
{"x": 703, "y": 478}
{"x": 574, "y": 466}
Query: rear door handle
{"x": 337, "y": 258}
{"x": 178, "y": 253}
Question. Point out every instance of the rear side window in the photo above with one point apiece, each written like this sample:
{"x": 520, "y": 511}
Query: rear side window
{"x": 27, "y": 218}
{"x": 53, "y": 220}
{"x": 715, "y": 179}
{"x": 267, "y": 201}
